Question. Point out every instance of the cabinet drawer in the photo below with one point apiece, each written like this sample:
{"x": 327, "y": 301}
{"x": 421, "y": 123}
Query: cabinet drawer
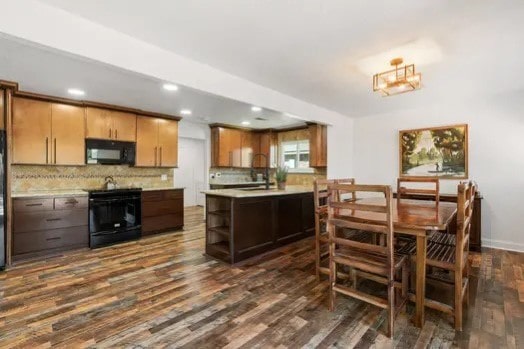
{"x": 50, "y": 239}
{"x": 32, "y": 205}
{"x": 173, "y": 194}
{"x": 159, "y": 208}
{"x": 154, "y": 195}
{"x": 71, "y": 202}
{"x": 163, "y": 222}
{"x": 46, "y": 220}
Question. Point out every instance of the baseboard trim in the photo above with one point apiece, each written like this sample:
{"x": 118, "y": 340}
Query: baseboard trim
{"x": 503, "y": 245}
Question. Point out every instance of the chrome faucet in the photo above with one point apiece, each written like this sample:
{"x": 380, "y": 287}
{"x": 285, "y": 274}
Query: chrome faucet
{"x": 266, "y": 170}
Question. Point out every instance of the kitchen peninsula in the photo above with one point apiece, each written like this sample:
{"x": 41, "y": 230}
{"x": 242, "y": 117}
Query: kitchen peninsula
{"x": 243, "y": 223}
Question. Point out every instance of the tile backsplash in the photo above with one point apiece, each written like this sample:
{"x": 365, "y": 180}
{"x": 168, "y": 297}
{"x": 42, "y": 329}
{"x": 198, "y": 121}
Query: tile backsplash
{"x": 234, "y": 175}
{"x": 30, "y": 178}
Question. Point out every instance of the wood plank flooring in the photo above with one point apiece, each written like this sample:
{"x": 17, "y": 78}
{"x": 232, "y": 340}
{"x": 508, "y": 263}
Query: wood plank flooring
{"x": 161, "y": 291}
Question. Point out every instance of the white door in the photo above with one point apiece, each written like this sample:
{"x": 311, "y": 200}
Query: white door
{"x": 191, "y": 170}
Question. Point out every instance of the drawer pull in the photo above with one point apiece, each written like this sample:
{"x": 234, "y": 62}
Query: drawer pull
{"x": 72, "y": 202}
{"x": 53, "y": 219}
{"x": 51, "y": 239}
{"x": 31, "y": 205}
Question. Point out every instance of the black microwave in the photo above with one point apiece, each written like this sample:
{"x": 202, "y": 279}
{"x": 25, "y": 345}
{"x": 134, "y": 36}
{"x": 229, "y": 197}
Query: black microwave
{"x": 99, "y": 151}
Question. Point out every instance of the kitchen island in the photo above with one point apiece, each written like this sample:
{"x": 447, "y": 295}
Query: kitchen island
{"x": 243, "y": 223}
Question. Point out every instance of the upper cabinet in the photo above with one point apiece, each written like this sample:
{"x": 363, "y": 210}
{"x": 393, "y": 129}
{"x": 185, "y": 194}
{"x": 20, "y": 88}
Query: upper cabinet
{"x": 317, "y": 145}
{"x": 226, "y": 147}
{"x": 2, "y": 119}
{"x": 265, "y": 143}
{"x": 109, "y": 124}
{"x": 231, "y": 147}
{"x": 157, "y": 142}
{"x": 47, "y": 133}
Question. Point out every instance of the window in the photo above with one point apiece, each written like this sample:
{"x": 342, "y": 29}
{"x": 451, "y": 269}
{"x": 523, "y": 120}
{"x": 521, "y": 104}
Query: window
{"x": 295, "y": 155}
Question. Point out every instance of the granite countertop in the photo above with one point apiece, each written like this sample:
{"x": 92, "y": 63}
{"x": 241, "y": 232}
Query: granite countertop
{"x": 239, "y": 183}
{"x": 239, "y": 193}
{"x": 44, "y": 193}
{"x": 69, "y": 192}
{"x": 162, "y": 188}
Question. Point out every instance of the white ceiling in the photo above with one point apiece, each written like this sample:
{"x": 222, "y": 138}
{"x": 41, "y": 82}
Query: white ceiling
{"x": 311, "y": 49}
{"x": 49, "y": 71}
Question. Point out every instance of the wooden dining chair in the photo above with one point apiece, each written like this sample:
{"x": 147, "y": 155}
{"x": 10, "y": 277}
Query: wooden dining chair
{"x": 321, "y": 195}
{"x": 408, "y": 187}
{"x": 376, "y": 262}
{"x": 453, "y": 259}
{"x": 445, "y": 238}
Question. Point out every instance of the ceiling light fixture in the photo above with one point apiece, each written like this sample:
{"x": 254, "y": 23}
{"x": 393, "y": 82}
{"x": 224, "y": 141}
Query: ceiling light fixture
{"x": 75, "y": 92}
{"x": 185, "y": 112}
{"x": 256, "y": 109}
{"x": 245, "y": 123}
{"x": 170, "y": 87}
{"x": 398, "y": 80}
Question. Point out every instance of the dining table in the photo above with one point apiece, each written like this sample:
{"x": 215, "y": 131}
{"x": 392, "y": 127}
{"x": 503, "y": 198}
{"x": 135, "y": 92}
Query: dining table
{"x": 416, "y": 218}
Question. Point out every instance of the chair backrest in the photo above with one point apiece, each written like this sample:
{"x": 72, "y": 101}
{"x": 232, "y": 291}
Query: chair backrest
{"x": 342, "y": 195}
{"x": 364, "y": 217}
{"x": 403, "y": 191}
{"x": 465, "y": 198}
{"x": 320, "y": 193}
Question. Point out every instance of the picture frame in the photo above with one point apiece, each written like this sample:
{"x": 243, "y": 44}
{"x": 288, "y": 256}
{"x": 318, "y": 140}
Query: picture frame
{"x": 434, "y": 152}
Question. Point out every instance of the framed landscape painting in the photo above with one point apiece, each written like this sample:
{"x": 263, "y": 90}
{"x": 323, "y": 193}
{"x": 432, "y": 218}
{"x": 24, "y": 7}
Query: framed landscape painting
{"x": 436, "y": 151}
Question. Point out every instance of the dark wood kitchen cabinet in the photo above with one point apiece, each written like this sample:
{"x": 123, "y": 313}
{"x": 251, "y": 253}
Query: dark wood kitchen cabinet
{"x": 162, "y": 210}
{"x": 240, "y": 228}
{"x": 46, "y": 133}
{"x": 317, "y": 145}
{"x": 46, "y": 225}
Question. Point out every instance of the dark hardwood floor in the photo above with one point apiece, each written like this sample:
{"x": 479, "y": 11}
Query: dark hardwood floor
{"x": 161, "y": 291}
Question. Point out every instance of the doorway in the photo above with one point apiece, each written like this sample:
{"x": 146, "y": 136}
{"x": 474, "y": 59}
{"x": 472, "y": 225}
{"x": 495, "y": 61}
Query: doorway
{"x": 191, "y": 172}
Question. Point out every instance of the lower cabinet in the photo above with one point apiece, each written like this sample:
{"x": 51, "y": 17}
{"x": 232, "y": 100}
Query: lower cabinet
{"x": 46, "y": 225}
{"x": 162, "y": 210}
{"x": 240, "y": 228}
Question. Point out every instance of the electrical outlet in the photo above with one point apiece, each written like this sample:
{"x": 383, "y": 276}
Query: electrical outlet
{"x": 163, "y": 177}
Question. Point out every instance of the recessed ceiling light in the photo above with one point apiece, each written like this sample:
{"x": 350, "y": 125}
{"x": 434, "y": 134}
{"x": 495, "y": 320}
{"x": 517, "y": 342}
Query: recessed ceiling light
{"x": 245, "y": 123}
{"x": 256, "y": 109}
{"x": 185, "y": 112}
{"x": 170, "y": 87}
{"x": 75, "y": 92}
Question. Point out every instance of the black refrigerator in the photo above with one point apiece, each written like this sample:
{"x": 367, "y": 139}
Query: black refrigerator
{"x": 2, "y": 199}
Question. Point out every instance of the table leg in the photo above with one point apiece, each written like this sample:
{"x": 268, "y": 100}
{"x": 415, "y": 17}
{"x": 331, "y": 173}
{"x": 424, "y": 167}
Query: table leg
{"x": 420, "y": 288}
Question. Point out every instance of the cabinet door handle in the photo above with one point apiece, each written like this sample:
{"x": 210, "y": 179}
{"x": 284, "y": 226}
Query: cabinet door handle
{"x": 109, "y": 133}
{"x": 46, "y": 150}
{"x": 55, "y": 151}
{"x": 31, "y": 205}
{"x": 55, "y": 238}
{"x": 160, "y": 162}
{"x": 53, "y": 219}
{"x": 116, "y": 134}
{"x": 230, "y": 158}
{"x": 155, "y": 155}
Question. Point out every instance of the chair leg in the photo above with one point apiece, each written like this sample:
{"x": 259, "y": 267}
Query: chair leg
{"x": 390, "y": 309}
{"x": 458, "y": 300}
{"x": 332, "y": 278}
{"x": 466, "y": 294}
{"x": 405, "y": 285}
{"x": 317, "y": 247}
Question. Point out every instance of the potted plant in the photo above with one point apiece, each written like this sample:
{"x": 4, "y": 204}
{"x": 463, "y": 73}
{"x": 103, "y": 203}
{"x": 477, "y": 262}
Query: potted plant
{"x": 281, "y": 177}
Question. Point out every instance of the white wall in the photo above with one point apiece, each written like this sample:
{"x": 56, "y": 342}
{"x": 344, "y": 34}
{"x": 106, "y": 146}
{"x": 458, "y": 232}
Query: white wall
{"x": 496, "y": 160}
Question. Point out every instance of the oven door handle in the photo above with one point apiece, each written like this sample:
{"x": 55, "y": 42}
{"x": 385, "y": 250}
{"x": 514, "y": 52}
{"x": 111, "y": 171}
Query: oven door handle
{"x": 116, "y": 231}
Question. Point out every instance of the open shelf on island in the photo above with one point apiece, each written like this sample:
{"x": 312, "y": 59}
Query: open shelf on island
{"x": 222, "y": 246}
